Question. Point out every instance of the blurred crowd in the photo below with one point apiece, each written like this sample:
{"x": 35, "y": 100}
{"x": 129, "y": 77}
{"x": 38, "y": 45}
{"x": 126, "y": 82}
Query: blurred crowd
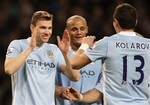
{"x": 15, "y": 16}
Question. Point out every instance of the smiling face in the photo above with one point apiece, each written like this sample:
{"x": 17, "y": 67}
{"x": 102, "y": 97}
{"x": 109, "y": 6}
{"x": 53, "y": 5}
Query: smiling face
{"x": 77, "y": 29}
{"x": 41, "y": 27}
{"x": 43, "y": 31}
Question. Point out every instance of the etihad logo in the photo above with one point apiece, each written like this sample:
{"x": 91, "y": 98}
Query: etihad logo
{"x": 40, "y": 64}
{"x": 90, "y": 72}
{"x": 87, "y": 74}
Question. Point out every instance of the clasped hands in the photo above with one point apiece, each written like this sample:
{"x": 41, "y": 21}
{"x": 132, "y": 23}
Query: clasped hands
{"x": 70, "y": 93}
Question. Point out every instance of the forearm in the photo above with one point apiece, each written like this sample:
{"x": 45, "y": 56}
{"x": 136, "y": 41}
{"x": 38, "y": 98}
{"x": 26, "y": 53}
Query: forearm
{"x": 58, "y": 91}
{"x": 72, "y": 74}
{"x": 12, "y": 65}
{"x": 80, "y": 59}
{"x": 76, "y": 59}
{"x": 91, "y": 96}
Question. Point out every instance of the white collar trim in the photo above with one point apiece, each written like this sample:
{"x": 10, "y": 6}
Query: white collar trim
{"x": 127, "y": 33}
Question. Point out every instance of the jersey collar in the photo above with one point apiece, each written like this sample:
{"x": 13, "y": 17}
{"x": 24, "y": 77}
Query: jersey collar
{"x": 127, "y": 33}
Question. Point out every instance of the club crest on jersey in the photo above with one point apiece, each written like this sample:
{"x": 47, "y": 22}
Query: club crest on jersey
{"x": 9, "y": 51}
{"x": 50, "y": 54}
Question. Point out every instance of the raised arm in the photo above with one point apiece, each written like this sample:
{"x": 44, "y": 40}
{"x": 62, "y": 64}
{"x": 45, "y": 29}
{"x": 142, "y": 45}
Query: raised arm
{"x": 12, "y": 65}
{"x": 72, "y": 74}
{"x": 80, "y": 59}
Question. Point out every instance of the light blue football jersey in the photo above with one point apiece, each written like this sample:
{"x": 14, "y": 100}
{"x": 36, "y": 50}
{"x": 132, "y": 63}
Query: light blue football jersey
{"x": 90, "y": 76}
{"x": 34, "y": 82}
{"x": 99, "y": 85}
{"x": 127, "y": 70}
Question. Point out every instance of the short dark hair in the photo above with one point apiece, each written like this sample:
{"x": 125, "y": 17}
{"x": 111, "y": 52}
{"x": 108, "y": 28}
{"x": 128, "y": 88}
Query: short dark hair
{"x": 41, "y": 15}
{"x": 126, "y": 15}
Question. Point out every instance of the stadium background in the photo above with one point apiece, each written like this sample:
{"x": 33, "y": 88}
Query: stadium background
{"x": 15, "y": 18}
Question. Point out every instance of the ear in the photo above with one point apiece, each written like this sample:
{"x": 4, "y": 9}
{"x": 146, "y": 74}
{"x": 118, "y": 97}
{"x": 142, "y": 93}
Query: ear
{"x": 116, "y": 25}
{"x": 31, "y": 27}
{"x": 115, "y": 22}
{"x": 136, "y": 22}
{"x": 87, "y": 29}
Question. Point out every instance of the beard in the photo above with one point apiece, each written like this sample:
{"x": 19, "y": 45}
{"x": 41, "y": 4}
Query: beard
{"x": 77, "y": 44}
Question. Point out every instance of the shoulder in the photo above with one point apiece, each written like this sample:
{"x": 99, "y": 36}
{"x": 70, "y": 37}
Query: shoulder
{"x": 18, "y": 41}
{"x": 109, "y": 37}
{"x": 103, "y": 40}
{"x": 51, "y": 46}
{"x": 15, "y": 41}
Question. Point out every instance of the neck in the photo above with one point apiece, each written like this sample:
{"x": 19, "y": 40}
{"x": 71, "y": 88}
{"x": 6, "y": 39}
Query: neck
{"x": 38, "y": 44}
{"x": 74, "y": 48}
{"x": 128, "y": 30}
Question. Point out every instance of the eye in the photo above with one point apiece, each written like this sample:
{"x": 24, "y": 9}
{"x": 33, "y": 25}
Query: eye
{"x": 42, "y": 27}
{"x": 82, "y": 28}
{"x": 50, "y": 28}
{"x": 74, "y": 29}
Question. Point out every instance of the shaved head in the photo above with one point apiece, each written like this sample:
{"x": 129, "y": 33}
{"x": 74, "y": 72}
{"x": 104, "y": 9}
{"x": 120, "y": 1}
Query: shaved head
{"x": 75, "y": 18}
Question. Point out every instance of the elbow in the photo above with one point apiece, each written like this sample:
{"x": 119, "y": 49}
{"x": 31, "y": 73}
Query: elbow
{"x": 7, "y": 68}
{"x": 75, "y": 79}
{"x": 8, "y": 71}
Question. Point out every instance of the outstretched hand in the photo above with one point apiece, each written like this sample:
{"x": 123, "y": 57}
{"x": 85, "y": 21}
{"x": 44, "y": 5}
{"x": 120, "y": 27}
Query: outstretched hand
{"x": 64, "y": 43}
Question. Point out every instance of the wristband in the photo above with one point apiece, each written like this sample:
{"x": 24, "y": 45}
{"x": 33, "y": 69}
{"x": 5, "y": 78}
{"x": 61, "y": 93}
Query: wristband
{"x": 81, "y": 97}
{"x": 84, "y": 46}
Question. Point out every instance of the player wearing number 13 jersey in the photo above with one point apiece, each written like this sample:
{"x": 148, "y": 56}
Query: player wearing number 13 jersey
{"x": 126, "y": 55}
{"x": 127, "y": 68}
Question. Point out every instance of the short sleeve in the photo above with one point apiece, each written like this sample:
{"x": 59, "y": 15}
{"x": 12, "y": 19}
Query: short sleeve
{"x": 14, "y": 49}
{"x": 98, "y": 51}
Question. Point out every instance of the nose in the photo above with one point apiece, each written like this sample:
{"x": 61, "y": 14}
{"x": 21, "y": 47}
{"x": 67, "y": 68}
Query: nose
{"x": 79, "y": 31}
{"x": 47, "y": 31}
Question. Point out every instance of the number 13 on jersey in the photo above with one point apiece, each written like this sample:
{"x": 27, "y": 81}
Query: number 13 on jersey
{"x": 137, "y": 69}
